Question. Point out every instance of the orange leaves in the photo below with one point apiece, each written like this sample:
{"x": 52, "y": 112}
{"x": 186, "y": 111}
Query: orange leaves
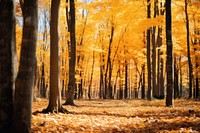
{"x": 120, "y": 116}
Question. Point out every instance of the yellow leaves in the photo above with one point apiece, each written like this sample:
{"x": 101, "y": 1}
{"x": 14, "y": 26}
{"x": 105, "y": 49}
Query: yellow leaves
{"x": 120, "y": 116}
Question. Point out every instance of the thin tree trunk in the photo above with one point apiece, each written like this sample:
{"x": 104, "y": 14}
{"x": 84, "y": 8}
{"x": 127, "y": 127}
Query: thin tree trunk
{"x": 149, "y": 53}
{"x": 108, "y": 65}
{"x": 126, "y": 81}
{"x": 162, "y": 92}
{"x": 176, "y": 88}
{"x": 91, "y": 77}
{"x": 143, "y": 82}
{"x": 181, "y": 82}
{"x": 169, "y": 101}
{"x": 8, "y": 63}
{"x": 188, "y": 50}
{"x": 155, "y": 92}
{"x": 72, "y": 54}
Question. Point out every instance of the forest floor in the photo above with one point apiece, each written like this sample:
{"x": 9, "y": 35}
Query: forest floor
{"x": 122, "y": 116}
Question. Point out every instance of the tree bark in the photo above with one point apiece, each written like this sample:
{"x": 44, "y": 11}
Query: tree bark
{"x": 8, "y": 63}
{"x": 169, "y": 101}
{"x": 72, "y": 54}
{"x": 149, "y": 53}
{"x": 55, "y": 94}
{"x": 25, "y": 79}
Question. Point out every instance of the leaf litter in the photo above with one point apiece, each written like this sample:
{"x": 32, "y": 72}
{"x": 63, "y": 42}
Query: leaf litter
{"x": 123, "y": 116}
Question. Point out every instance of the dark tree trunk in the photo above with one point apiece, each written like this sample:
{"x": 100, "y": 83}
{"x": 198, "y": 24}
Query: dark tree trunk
{"x": 25, "y": 79}
{"x": 154, "y": 89}
{"x": 169, "y": 101}
{"x": 188, "y": 50}
{"x": 8, "y": 63}
{"x": 162, "y": 92}
{"x": 43, "y": 86}
{"x": 80, "y": 88}
{"x": 72, "y": 54}
{"x": 101, "y": 86}
{"x": 176, "y": 87}
{"x": 149, "y": 53}
{"x": 159, "y": 70}
{"x": 126, "y": 81}
{"x": 143, "y": 82}
{"x": 181, "y": 82}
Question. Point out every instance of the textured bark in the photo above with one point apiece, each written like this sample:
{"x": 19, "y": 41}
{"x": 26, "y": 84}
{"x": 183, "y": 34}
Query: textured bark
{"x": 169, "y": 101}
{"x": 72, "y": 58}
{"x": 7, "y": 63}
{"x": 25, "y": 79}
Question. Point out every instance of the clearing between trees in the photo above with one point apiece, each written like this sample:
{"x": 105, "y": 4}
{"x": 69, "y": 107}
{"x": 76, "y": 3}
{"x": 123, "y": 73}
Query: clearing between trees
{"x": 119, "y": 116}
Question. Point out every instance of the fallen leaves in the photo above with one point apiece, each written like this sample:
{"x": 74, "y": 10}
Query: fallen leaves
{"x": 119, "y": 116}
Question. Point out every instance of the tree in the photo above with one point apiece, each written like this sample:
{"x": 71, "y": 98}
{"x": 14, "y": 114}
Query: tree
{"x": 72, "y": 55}
{"x": 7, "y": 63}
{"x": 55, "y": 95}
{"x": 149, "y": 52}
{"x": 91, "y": 77}
{"x": 188, "y": 50}
{"x": 169, "y": 54}
{"x": 25, "y": 79}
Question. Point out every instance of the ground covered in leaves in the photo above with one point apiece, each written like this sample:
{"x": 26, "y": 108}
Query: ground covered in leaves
{"x": 124, "y": 116}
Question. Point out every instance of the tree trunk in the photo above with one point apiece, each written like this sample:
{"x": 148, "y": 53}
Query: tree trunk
{"x": 155, "y": 91}
{"x": 25, "y": 79}
{"x": 143, "y": 82}
{"x": 8, "y": 63}
{"x": 169, "y": 101}
{"x": 176, "y": 88}
{"x": 162, "y": 92}
{"x": 72, "y": 58}
{"x": 149, "y": 53}
{"x": 91, "y": 77}
{"x": 126, "y": 81}
{"x": 181, "y": 81}
{"x": 188, "y": 50}
{"x": 196, "y": 43}
{"x": 55, "y": 95}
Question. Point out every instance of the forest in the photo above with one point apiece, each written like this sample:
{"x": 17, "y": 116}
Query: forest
{"x": 99, "y": 66}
